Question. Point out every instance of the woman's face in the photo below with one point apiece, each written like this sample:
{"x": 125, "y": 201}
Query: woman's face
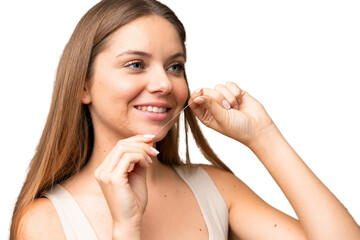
{"x": 138, "y": 83}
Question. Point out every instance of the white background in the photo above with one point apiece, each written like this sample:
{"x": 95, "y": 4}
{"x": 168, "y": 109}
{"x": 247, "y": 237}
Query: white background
{"x": 301, "y": 59}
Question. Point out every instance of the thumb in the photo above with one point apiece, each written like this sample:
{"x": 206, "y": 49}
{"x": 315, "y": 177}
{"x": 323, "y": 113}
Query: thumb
{"x": 208, "y": 109}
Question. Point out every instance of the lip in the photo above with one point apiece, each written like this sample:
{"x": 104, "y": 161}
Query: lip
{"x": 151, "y": 115}
{"x": 154, "y": 104}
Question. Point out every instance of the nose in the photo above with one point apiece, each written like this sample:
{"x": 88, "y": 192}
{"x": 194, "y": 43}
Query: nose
{"x": 159, "y": 81}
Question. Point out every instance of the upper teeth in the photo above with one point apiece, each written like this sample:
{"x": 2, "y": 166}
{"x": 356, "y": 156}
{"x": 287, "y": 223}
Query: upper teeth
{"x": 151, "y": 109}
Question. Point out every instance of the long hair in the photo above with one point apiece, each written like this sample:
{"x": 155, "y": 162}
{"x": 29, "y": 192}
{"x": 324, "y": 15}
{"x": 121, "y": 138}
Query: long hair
{"x": 67, "y": 140}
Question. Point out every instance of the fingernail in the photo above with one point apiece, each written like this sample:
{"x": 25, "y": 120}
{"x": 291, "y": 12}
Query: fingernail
{"x": 226, "y": 104}
{"x": 149, "y": 136}
{"x": 199, "y": 100}
{"x": 149, "y": 159}
{"x": 154, "y": 150}
{"x": 197, "y": 91}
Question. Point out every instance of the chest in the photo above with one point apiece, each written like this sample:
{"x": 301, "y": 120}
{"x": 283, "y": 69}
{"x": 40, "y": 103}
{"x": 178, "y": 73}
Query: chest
{"x": 171, "y": 213}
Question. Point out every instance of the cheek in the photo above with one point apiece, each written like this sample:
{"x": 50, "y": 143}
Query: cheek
{"x": 181, "y": 93}
{"x": 114, "y": 94}
{"x": 124, "y": 88}
{"x": 127, "y": 90}
{"x": 114, "y": 86}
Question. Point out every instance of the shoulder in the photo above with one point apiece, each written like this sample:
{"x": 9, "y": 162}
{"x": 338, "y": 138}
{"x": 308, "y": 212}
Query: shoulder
{"x": 247, "y": 208}
{"x": 219, "y": 176}
{"x": 41, "y": 221}
{"x": 233, "y": 190}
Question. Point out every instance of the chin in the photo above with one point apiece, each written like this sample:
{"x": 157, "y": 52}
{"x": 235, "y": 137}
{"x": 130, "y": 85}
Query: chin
{"x": 159, "y": 137}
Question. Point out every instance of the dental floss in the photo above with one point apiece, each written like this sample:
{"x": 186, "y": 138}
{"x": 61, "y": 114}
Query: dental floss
{"x": 173, "y": 117}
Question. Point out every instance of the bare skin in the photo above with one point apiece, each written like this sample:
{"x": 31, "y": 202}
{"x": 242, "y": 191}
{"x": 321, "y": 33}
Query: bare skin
{"x": 125, "y": 195}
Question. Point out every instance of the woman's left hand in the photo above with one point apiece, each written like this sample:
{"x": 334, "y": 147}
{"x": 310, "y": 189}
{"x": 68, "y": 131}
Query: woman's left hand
{"x": 231, "y": 111}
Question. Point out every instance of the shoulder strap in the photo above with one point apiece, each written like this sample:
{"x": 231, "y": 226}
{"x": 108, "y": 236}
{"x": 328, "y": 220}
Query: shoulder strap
{"x": 74, "y": 222}
{"x": 210, "y": 200}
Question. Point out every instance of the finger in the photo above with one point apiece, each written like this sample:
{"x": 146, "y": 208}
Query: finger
{"x": 106, "y": 175}
{"x": 200, "y": 98}
{"x": 146, "y": 138}
{"x": 142, "y": 146}
{"x": 195, "y": 94}
{"x": 130, "y": 160}
{"x": 119, "y": 175}
{"x": 210, "y": 101}
{"x": 235, "y": 90}
{"x": 118, "y": 152}
{"x": 111, "y": 160}
{"x": 229, "y": 97}
{"x": 217, "y": 96}
{"x": 145, "y": 141}
{"x": 125, "y": 148}
{"x": 128, "y": 164}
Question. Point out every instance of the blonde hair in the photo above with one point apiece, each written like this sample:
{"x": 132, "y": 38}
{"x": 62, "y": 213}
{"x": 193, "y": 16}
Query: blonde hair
{"x": 67, "y": 140}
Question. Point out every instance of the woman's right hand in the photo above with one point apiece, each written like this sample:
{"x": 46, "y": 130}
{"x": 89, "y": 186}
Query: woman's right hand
{"x": 122, "y": 178}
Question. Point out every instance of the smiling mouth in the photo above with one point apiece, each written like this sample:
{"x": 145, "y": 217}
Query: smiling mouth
{"x": 152, "y": 109}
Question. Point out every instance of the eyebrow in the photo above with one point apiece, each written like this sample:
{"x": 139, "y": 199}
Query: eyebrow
{"x": 132, "y": 52}
{"x": 148, "y": 55}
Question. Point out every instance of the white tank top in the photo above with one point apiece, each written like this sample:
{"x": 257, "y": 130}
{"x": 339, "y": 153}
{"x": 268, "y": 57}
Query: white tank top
{"x": 212, "y": 206}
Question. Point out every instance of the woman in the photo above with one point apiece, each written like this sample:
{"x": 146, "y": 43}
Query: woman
{"x": 107, "y": 165}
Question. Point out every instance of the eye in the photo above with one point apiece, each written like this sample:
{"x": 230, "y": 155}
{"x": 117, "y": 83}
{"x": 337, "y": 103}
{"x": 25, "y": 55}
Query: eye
{"x": 177, "y": 67}
{"x": 135, "y": 65}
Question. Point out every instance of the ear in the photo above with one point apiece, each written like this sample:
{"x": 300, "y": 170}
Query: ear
{"x": 86, "y": 97}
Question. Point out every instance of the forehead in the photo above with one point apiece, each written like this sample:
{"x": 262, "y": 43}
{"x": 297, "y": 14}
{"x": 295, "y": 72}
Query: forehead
{"x": 151, "y": 33}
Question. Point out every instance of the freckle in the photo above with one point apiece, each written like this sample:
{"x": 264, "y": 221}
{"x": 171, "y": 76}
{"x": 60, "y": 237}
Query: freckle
{"x": 200, "y": 229}
{"x": 165, "y": 196}
{"x": 222, "y": 189}
{"x": 275, "y": 225}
